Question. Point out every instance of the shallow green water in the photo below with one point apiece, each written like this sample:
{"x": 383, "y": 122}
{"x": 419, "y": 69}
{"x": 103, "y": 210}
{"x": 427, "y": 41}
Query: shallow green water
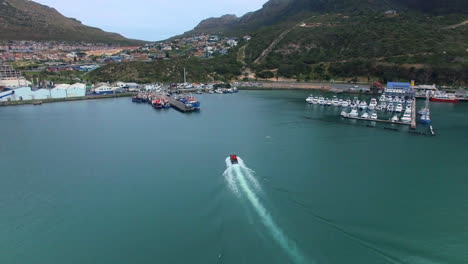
{"x": 108, "y": 181}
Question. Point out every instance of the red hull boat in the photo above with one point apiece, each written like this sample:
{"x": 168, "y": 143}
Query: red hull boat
{"x": 445, "y": 100}
{"x": 233, "y": 158}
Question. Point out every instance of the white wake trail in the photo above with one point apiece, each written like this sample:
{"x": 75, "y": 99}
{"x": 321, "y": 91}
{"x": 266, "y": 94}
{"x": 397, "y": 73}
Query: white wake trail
{"x": 242, "y": 176}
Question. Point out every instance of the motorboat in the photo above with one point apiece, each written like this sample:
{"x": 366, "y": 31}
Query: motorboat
{"x": 344, "y": 114}
{"x": 321, "y": 101}
{"x": 426, "y": 118}
{"x": 335, "y": 101}
{"x": 374, "y": 116}
{"x": 354, "y": 113}
{"x": 372, "y": 104}
{"x": 395, "y": 118}
{"x": 383, "y": 98}
{"x": 406, "y": 118}
{"x": 399, "y": 108}
{"x": 329, "y": 102}
{"x": 356, "y": 101}
{"x": 310, "y": 99}
{"x": 391, "y": 107}
{"x": 423, "y": 111}
{"x": 365, "y": 115}
{"x": 199, "y": 92}
{"x": 234, "y": 159}
{"x": 363, "y": 105}
{"x": 345, "y": 104}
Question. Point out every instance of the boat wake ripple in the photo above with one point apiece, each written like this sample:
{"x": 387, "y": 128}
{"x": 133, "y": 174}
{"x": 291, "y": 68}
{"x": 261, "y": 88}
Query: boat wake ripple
{"x": 242, "y": 181}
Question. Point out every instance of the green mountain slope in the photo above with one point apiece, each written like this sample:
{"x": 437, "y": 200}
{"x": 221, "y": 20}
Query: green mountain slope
{"x": 28, "y": 20}
{"x": 426, "y": 40}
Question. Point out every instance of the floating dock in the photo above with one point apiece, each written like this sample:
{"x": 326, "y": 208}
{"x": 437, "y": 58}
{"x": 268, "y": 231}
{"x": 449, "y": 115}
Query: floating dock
{"x": 378, "y": 120}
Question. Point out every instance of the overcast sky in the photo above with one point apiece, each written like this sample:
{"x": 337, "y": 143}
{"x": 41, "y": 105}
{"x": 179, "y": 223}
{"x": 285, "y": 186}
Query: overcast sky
{"x": 149, "y": 19}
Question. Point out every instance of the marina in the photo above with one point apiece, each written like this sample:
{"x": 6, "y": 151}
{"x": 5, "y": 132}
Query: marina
{"x": 394, "y": 100}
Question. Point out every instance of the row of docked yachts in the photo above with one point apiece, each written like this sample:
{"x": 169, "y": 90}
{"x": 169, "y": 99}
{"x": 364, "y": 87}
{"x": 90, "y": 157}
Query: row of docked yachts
{"x": 391, "y": 104}
{"x": 354, "y": 113}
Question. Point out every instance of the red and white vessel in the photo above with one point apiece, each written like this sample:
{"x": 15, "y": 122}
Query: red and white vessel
{"x": 445, "y": 98}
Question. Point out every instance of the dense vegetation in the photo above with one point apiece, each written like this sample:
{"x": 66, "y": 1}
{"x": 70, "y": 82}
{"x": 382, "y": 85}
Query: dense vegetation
{"x": 222, "y": 68}
{"x": 369, "y": 45}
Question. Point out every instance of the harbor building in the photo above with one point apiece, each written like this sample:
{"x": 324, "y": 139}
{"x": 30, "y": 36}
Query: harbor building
{"x": 400, "y": 89}
{"x": 60, "y": 91}
{"x": 9, "y": 78}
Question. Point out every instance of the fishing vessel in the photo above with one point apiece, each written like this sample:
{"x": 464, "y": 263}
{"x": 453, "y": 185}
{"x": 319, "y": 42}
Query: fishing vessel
{"x": 157, "y": 103}
{"x": 445, "y": 98}
{"x": 193, "y": 102}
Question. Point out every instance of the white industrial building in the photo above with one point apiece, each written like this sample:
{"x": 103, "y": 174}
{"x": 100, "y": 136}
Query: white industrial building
{"x": 60, "y": 91}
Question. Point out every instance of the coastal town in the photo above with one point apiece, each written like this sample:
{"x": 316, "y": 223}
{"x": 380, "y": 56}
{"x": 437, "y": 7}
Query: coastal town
{"x": 65, "y": 56}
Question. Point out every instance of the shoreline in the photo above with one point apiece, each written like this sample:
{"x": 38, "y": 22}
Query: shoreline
{"x": 71, "y": 99}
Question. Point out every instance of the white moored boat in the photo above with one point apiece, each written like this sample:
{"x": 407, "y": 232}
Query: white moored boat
{"x": 406, "y": 118}
{"x": 363, "y": 105}
{"x": 354, "y": 113}
{"x": 374, "y": 116}
{"x": 399, "y": 108}
{"x": 372, "y": 104}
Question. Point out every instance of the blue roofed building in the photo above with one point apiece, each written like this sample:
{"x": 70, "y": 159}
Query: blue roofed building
{"x": 399, "y": 89}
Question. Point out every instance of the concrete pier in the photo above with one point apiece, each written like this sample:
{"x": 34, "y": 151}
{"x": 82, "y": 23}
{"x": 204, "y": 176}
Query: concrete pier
{"x": 178, "y": 105}
{"x": 413, "y": 115}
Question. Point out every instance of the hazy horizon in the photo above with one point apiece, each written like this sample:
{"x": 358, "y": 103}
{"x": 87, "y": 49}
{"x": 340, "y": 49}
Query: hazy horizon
{"x": 149, "y": 20}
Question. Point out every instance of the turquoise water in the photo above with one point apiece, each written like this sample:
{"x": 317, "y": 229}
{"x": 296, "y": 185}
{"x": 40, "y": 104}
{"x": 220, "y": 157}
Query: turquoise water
{"x": 109, "y": 181}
